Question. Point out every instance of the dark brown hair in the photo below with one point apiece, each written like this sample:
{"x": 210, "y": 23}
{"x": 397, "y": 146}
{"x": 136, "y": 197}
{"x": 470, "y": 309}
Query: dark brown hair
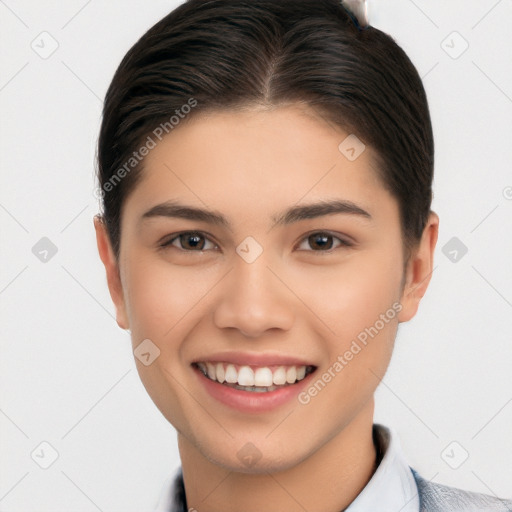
{"x": 230, "y": 54}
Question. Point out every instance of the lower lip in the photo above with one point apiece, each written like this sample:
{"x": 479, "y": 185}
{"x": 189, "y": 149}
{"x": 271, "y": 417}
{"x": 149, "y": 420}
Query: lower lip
{"x": 251, "y": 401}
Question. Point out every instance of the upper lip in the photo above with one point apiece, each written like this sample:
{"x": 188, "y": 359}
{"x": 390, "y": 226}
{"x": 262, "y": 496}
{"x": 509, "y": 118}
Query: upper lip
{"x": 254, "y": 359}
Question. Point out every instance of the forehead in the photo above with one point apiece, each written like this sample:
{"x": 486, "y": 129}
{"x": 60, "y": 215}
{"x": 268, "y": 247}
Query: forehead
{"x": 252, "y": 161}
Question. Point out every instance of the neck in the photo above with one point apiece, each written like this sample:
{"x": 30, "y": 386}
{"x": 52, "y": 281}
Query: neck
{"x": 328, "y": 480}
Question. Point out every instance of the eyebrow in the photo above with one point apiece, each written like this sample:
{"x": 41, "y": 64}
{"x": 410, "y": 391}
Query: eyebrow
{"x": 174, "y": 209}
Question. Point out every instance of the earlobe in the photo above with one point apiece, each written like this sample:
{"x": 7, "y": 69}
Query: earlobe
{"x": 112, "y": 270}
{"x": 419, "y": 270}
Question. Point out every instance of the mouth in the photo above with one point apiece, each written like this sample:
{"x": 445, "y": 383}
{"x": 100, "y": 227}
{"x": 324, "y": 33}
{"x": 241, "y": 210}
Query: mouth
{"x": 253, "y": 379}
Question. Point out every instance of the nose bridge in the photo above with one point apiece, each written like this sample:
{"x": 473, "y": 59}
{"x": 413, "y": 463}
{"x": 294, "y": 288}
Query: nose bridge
{"x": 253, "y": 280}
{"x": 254, "y": 299}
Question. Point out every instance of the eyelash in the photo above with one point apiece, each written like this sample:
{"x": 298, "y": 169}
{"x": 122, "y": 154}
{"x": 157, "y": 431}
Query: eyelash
{"x": 167, "y": 244}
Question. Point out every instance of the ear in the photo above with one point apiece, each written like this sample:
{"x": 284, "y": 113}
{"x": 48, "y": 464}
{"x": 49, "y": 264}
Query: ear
{"x": 112, "y": 269}
{"x": 419, "y": 270}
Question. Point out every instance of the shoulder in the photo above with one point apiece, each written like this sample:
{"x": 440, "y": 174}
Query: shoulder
{"x": 439, "y": 498}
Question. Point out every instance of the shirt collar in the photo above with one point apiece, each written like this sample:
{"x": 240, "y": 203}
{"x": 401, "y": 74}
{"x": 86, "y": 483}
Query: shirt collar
{"x": 392, "y": 487}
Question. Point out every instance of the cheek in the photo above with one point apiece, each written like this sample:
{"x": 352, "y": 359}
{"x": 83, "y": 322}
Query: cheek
{"x": 362, "y": 309}
{"x": 359, "y": 304}
{"x": 159, "y": 296}
{"x": 161, "y": 303}
{"x": 351, "y": 297}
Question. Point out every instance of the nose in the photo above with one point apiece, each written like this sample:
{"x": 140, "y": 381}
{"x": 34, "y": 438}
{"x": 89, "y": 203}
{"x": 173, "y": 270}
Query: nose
{"x": 254, "y": 298}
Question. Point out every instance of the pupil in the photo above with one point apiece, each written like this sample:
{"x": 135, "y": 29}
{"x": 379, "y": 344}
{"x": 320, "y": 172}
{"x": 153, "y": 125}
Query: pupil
{"x": 322, "y": 239}
{"x": 196, "y": 240}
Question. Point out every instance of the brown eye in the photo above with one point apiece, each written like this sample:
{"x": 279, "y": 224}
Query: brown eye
{"x": 192, "y": 241}
{"x": 321, "y": 241}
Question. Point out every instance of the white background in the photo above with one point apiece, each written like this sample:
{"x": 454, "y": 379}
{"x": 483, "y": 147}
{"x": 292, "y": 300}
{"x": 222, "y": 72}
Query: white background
{"x": 67, "y": 371}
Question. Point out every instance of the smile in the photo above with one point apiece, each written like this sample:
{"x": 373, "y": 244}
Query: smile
{"x": 254, "y": 378}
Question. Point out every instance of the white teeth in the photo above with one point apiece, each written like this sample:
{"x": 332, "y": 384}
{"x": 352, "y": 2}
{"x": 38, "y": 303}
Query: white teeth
{"x": 231, "y": 375}
{"x": 263, "y": 377}
{"x": 211, "y": 371}
{"x": 221, "y": 374}
{"x": 291, "y": 375}
{"x": 248, "y": 377}
{"x": 279, "y": 377}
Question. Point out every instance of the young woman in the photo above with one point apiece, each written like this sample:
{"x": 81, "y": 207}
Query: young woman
{"x": 266, "y": 172}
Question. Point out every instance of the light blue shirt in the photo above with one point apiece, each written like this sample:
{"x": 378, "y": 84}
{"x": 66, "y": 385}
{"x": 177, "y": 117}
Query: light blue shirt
{"x": 392, "y": 487}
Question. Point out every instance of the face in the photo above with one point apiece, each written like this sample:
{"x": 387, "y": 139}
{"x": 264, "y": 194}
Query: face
{"x": 267, "y": 282}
